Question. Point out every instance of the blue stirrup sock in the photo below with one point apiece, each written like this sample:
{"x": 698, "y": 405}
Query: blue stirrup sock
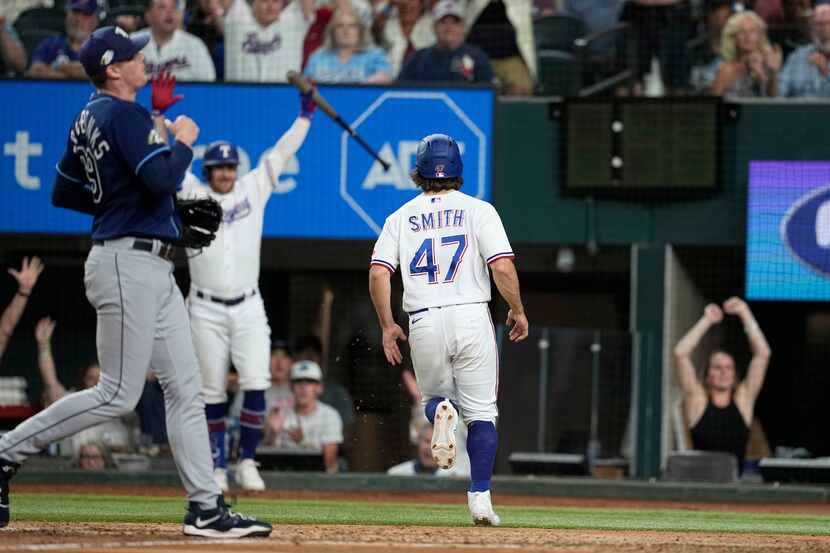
{"x": 215, "y": 414}
{"x": 251, "y": 421}
{"x": 482, "y": 444}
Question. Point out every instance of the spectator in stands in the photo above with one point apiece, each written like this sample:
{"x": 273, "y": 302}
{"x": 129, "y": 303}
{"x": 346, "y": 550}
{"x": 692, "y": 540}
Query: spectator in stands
{"x": 12, "y": 53}
{"x": 504, "y": 30}
{"x": 807, "y": 71}
{"x": 264, "y": 41}
{"x": 422, "y": 463}
{"x": 451, "y": 59}
{"x": 113, "y": 433}
{"x": 279, "y": 395}
{"x": 172, "y": 50}
{"x": 347, "y": 55}
{"x": 661, "y": 28}
{"x": 719, "y": 410}
{"x": 311, "y": 348}
{"x": 26, "y": 279}
{"x": 750, "y": 63}
{"x": 310, "y": 425}
{"x": 544, "y": 8}
{"x": 402, "y": 27}
{"x": 92, "y": 456}
{"x": 206, "y": 20}
{"x": 324, "y": 10}
{"x": 56, "y": 57}
{"x": 717, "y": 13}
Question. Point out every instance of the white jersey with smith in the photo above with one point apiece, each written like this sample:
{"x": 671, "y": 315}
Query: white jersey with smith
{"x": 443, "y": 244}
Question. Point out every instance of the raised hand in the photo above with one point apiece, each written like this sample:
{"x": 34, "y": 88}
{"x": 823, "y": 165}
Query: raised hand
{"x": 773, "y": 58}
{"x": 43, "y": 331}
{"x": 713, "y": 313}
{"x": 163, "y": 88}
{"x": 735, "y": 306}
{"x": 28, "y": 274}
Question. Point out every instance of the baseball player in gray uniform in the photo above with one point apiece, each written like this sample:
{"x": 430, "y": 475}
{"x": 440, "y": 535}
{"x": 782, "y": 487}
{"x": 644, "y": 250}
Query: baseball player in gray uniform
{"x": 117, "y": 168}
{"x": 444, "y": 242}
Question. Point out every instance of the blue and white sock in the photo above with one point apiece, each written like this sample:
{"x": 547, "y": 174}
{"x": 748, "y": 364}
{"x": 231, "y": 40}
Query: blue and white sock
{"x": 251, "y": 421}
{"x": 215, "y": 413}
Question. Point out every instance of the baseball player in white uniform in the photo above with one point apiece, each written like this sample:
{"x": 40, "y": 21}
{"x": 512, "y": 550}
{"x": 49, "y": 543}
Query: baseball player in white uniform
{"x": 444, "y": 240}
{"x": 227, "y": 313}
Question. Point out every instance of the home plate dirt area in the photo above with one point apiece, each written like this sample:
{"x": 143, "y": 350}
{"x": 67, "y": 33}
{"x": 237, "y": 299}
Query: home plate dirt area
{"x": 312, "y": 538}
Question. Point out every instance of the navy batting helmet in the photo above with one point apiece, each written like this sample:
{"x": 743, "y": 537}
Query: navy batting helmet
{"x": 439, "y": 157}
{"x": 219, "y": 153}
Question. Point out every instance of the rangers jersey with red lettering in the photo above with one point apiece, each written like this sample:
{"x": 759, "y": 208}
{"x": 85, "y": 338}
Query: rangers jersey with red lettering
{"x": 443, "y": 243}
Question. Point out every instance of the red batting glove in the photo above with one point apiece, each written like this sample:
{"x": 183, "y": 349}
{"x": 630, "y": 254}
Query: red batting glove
{"x": 163, "y": 86}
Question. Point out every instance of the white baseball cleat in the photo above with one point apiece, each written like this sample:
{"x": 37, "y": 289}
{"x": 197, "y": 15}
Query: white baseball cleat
{"x": 220, "y": 476}
{"x": 443, "y": 435}
{"x": 247, "y": 476}
{"x": 481, "y": 508}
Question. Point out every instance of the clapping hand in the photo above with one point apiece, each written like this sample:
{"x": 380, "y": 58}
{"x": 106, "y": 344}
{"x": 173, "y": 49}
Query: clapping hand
{"x": 713, "y": 313}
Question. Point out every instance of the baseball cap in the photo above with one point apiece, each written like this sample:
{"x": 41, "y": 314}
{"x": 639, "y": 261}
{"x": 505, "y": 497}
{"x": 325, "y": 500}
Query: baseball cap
{"x": 88, "y": 7}
{"x": 109, "y": 45}
{"x": 448, "y": 7}
{"x": 306, "y": 370}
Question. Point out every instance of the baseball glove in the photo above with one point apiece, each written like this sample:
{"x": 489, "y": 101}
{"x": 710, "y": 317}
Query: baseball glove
{"x": 200, "y": 220}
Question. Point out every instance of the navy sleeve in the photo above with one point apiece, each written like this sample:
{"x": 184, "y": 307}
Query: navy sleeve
{"x": 44, "y": 52}
{"x": 71, "y": 190}
{"x": 163, "y": 174}
{"x": 136, "y": 137}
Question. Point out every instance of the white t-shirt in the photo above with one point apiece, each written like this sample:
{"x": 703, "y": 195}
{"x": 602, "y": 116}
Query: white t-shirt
{"x": 185, "y": 56}
{"x": 407, "y": 468}
{"x": 321, "y": 426}
{"x": 443, "y": 243}
{"x": 263, "y": 54}
{"x": 229, "y": 267}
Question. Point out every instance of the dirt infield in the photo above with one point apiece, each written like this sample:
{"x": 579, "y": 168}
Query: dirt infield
{"x": 161, "y": 538}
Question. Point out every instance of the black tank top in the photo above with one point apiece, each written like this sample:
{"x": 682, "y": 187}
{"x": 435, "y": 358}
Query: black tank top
{"x": 722, "y": 430}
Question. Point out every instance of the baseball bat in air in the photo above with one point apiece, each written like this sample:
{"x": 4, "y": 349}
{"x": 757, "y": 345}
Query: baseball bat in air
{"x": 304, "y": 86}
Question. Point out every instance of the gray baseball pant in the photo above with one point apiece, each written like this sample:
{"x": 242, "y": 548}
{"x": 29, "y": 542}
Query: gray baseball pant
{"x": 142, "y": 323}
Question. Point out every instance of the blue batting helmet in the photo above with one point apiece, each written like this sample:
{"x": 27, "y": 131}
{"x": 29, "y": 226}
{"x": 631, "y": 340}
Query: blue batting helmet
{"x": 439, "y": 157}
{"x": 220, "y": 152}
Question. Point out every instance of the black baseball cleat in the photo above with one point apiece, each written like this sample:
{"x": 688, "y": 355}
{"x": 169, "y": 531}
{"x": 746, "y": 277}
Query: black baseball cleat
{"x": 221, "y": 522}
{"x": 7, "y": 470}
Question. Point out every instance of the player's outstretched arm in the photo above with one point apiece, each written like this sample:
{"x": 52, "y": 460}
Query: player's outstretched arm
{"x": 507, "y": 281}
{"x": 26, "y": 279}
{"x": 380, "y": 289}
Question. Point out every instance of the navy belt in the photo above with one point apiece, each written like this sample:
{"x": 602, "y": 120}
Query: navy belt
{"x": 422, "y": 310}
{"x": 227, "y": 302}
{"x": 166, "y": 251}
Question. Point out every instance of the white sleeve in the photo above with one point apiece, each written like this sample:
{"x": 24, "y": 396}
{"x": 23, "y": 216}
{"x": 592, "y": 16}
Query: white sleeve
{"x": 386, "y": 249}
{"x": 492, "y": 239}
{"x": 190, "y": 185}
{"x": 236, "y": 11}
{"x": 269, "y": 169}
{"x": 332, "y": 431}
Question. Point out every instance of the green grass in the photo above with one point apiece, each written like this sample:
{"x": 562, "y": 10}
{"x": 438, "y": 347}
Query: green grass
{"x": 111, "y": 508}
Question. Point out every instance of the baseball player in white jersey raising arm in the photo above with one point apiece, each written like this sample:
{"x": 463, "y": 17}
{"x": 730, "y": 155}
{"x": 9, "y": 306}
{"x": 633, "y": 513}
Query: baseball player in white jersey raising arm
{"x": 227, "y": 314}
{"x": 444, "y": 241}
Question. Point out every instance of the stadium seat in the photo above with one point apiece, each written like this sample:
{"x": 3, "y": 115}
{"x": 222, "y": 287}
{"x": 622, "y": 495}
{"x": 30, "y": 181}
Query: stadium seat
{"x": 558, "y": 32}
{"x": 701, "y": 466}
{"x": 559, "y": 73}
{"x": 35, "y": 24}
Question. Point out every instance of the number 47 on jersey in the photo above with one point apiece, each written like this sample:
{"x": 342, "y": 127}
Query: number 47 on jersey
{"x": 424, "y": 262}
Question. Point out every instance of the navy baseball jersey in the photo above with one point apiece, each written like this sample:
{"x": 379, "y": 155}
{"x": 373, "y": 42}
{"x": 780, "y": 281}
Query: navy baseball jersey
{"x": 109, "y": 143}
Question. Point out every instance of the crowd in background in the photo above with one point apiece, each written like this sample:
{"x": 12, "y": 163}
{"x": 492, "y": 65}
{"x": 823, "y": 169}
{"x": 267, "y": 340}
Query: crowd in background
{"x": 760, "y": 48}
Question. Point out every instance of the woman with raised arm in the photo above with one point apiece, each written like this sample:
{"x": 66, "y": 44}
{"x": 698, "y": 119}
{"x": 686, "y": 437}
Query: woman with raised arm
{"x": 719, "y": 410}
{"x": 26, "y": 279}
